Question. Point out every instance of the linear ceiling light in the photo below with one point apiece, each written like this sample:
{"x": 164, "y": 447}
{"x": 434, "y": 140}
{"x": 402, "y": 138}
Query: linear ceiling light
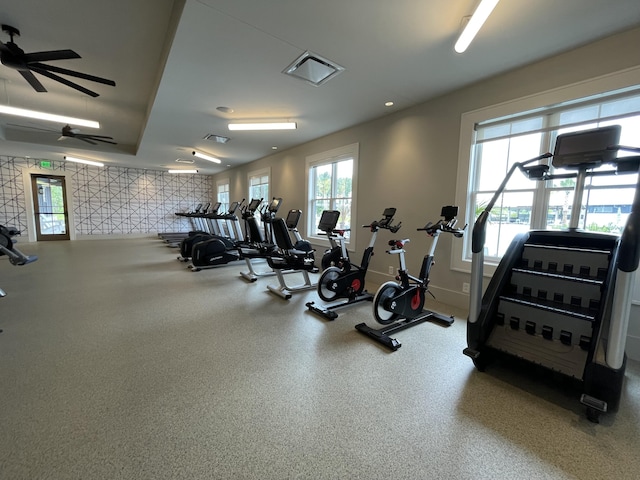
{"x": 86, "y": 162}
{"x": 183, "y": 171}
{"x": 263, "y": 126}
{"x": 475, "y": 23}
{"x": 206, "y": 157}
{"x": 50, "y": 117}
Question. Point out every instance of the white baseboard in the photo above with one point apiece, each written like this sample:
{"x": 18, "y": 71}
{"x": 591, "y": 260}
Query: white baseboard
{"x": 116, "y": 236}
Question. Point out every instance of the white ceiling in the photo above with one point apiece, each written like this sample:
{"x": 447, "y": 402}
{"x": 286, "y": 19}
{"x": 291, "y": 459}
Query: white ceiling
{"x": 174, "y": 62}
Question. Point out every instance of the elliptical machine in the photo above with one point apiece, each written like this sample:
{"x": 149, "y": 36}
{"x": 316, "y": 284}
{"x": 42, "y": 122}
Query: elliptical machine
{"x": 341, "y": 278}
{"x": 260, "y": 245}
{"x": 7, "y": 247}
{"x": 219, "y": 249}
{"x": 404, "y": 299}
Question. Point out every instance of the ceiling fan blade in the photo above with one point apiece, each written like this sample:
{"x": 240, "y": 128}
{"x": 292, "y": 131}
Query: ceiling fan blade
{"x": 72, "y": 73}
{"x": 50, "y": 55}
{"x": 93, "y": 137}
{"x": 84, "y": 140}
{"x": 33, "y": 81}
{"x": 103, "y": 141}
{"x": 64, "y": 81}
{"x": 33, "y": 128}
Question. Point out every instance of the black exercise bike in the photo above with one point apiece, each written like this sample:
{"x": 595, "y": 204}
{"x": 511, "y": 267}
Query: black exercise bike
{"x": 341, "y": 278}
{"x": 400, "y": 304}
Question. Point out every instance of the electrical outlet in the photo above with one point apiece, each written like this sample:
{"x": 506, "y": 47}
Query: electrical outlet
{"x": 465, "y": 287}
{"x": 390, "y": 270}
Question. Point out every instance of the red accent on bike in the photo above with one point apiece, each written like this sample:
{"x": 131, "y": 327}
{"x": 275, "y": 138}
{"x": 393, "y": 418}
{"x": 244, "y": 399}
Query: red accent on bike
{"x": 356, "y": 284}
{"x": 415, "y": 300}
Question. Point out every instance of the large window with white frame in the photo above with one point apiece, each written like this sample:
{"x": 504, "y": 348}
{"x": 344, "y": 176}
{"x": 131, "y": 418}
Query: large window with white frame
{"x": 222, "y": 187}
{"x": 259, "y": 184}
{"x": 331, "y": 185}
{"x": 497, "y": 143}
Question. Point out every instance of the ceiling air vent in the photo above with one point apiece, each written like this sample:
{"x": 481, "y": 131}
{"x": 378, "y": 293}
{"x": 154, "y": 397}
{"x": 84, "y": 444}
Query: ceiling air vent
{"x": 184, "y": 160}
{"x": 216, "y": 138}
{"x": 313, "y": 69}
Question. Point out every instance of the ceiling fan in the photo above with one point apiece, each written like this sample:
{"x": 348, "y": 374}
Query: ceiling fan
{"x": 14, "y": 57}
{"x": 69, "y": 132}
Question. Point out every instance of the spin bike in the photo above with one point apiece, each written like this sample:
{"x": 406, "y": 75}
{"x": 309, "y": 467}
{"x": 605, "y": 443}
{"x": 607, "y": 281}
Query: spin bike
{"x": 404, "y": 299}
{"x": 341, "y": 278}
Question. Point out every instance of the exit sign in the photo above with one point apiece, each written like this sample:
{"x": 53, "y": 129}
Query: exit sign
{"x": 45, "y": 164}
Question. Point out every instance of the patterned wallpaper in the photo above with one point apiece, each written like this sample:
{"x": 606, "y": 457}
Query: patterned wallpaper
{"x": 109, "y": 200}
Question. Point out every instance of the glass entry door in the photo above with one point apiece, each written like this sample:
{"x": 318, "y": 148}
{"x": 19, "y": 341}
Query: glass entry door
{"x": 50, "y": 205}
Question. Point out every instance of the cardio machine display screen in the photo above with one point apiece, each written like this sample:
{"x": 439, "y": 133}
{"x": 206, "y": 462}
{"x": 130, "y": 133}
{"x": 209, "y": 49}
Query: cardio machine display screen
{"x": 586, "y": 148}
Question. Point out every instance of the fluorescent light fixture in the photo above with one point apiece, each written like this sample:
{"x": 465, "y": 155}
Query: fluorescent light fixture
{"x": 183, "y": 171}
{"x": 82, "y": 160}
{"x": 263, "y": 126}
{"x": 473, "y": 26}
{"x": 50, "y": 117}
{"x": 206, "y": 157}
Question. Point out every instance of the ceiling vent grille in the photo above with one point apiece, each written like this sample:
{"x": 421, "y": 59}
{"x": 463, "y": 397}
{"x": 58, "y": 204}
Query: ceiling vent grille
{"x": 216, "y": 138}
{"x": 184, "y": 160}
{"x": 313, "y": 69}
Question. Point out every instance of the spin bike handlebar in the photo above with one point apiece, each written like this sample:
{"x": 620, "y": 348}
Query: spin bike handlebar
{"x": 443, "y": 226}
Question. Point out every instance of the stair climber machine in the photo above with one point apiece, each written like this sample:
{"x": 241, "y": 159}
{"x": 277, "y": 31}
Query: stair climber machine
{"x": 8, "y": 248}
{"x": 290, "y": 257}
{"x": 219, "y": 249}
{"x": 560, "y": 300}
{"x": 205, "y": 227}
{"x": 399, "y": 305}
{"x": 341, "y": 278}
{"x": 259, "y": 244}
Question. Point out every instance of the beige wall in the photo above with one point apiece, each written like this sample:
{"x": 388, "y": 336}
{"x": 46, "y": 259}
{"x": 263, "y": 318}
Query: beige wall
{"x": 408, "y": 160}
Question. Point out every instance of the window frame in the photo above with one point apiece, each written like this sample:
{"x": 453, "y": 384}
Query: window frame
{"x": 224, "y": 182}
{"x": 327, "y": 158}
{"x": 465, "y": 177}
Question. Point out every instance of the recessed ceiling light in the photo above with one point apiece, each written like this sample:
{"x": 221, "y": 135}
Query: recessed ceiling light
{"x": 183, "y": 171}
{"x": 225, "y": 109}
{"x": 388, "y": 104}
{"x": 274, "y": 148}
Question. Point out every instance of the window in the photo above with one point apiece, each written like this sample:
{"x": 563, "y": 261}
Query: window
{"x": 259, "y": 187}
{"x": 222, "y": 187}
{"x": 498, "y": 140}
{"x": 259, "y": 184}
{"x": 331, "y": 186}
